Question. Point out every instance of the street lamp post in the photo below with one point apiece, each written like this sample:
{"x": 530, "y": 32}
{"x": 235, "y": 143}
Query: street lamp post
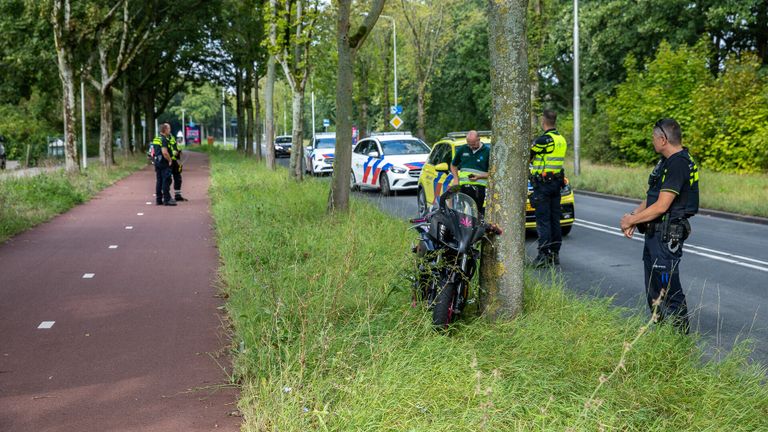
{"x": 224, "y": 116}
{"x": 576, "y": 91}
{"x": 183, "y": 126}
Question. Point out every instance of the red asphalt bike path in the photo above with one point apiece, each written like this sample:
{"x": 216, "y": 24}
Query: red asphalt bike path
{"x": 139, "y": 346}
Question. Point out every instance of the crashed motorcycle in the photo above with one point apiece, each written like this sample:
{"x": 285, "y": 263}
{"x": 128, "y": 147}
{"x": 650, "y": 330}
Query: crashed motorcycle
{"x": 448, "y": 251}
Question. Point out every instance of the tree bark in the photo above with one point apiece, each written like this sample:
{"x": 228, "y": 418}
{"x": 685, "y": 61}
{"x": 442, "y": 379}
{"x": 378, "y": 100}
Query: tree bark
{"x": 105, "y": 135}
{"x": 502, "y": 265}
{"x": 297, "y": 144}
{"x": 257, "y": 118}
{"x": 269, "y": 99}
{"x": 125, "y": 119}
{"x": 346, "y": 45}
{"x": 421, "y": 100}
{"x": 248, "y": 102}
{"x": 240, "y": 91}
{"x": 62, "y": 35}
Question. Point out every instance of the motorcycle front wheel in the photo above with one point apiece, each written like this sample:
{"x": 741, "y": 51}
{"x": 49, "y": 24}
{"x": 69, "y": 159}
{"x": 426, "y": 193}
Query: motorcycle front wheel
{"x": 444, "y": 305}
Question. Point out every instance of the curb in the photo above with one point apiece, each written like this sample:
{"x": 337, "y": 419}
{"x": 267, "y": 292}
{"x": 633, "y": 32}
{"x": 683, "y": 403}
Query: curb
{"x": 707, "y": 212}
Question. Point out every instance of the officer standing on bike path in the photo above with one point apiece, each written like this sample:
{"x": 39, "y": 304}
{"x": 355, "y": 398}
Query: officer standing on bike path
{"x": 470, "y": 168}
{"x": 547, "y": 178}
{"x": 672, "y": 198}
{"x": 176, "y": 168}
{"x": 161, "y": 157}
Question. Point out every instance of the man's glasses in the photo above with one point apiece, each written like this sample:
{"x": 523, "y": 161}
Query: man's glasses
{"x": 658, "y": 126}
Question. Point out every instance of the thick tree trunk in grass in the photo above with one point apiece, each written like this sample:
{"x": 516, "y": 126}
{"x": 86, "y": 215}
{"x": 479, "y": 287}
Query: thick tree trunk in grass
{"x": 63, "y": 39}
{"x": 297, "y": 150}
{"x": 503, "y": 261}
{"x": 105, "y": 136}
{"x": 346, "y": 44}
{"x": 269, "y": 114}
{"x": 125, "y": 120}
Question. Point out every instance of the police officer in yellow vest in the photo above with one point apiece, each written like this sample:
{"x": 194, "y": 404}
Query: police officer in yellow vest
{"x": 470, "y": 168}
{"x": 547, "y": 178}
{"x": 176, "y": 167}
{"x": 160, "y": 153}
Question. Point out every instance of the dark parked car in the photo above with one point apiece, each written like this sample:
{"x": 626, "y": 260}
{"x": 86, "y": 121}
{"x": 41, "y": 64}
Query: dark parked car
{"x": 283, "y": 145}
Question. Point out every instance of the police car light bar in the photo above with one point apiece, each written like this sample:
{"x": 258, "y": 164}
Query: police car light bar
{"x": 390, "y": 133}
{"x": 463, "y": 134}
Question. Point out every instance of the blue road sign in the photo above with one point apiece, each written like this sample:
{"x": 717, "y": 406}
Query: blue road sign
{"x": 326, "y": 122}
{"x": 399, "y": 109}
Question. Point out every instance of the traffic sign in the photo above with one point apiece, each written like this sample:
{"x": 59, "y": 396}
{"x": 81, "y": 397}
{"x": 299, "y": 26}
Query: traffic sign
{"x": 326, "y": 122}
{"x": 396, "y": 122}
{"x": 396, "y": 109}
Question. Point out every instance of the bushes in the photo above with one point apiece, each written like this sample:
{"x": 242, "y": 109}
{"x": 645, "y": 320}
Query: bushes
{"x": 724, "y": 120}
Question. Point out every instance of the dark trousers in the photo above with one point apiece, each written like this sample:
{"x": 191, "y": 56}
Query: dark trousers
{"x": 477, "y": 193}
{"x": 662, "y": 271}
{"x": 546, "y": 204}
{"x": 162, "y": 182}
{"x": 176, "y": 174}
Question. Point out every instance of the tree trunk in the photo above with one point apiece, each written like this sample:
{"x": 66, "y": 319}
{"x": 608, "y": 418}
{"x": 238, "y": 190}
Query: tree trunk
{"x": 240, "y": 90}
{"x": 149, "y": 117}
{"x": 420, "y": 115}
{"x": 105, "y": 135}
{"x": 125, "y": 119}
{"x": 269, "y": 103}
{"x": 257, "y": 118}
{"x": 502, "y": 265}
{"x": 297, "y": 150}
{"x": 248, "y": 102}
{"x": 138, "y": 131}
{"x": 338, "y": 199}
{"x": 60, "y": 18}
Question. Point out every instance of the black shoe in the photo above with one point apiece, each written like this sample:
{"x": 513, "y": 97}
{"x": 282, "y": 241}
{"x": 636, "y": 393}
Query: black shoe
{"x": 170, "y": 202}
{"x": 180, "y": 198}
{"x": 542, "y": 260}
{"x": 158, "y": 203}
{"x": 555, "y": 257}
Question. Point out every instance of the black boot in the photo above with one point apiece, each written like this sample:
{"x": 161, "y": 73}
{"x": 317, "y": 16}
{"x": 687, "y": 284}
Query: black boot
{"x": 542, "y": 260}
{"x": 555, "y": 257}
{"x": 178, "y": 197}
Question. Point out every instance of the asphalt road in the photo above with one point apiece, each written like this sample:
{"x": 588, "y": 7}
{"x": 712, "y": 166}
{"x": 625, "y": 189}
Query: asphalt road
{"x": 724, "y": 270}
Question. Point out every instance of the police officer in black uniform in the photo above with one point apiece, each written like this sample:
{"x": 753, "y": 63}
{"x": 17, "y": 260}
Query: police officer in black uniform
{"x": 176, "y": 168}
{"x": 672, "y": 198}
{"x": 161, "y": 158}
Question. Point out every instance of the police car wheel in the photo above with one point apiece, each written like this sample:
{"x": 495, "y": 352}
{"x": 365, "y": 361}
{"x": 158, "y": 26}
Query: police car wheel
{"x": 384, "y": 183}
{"x": 422, "y": 202}
{"x": 565, "y": 230}
{"x": 352, "y": 183}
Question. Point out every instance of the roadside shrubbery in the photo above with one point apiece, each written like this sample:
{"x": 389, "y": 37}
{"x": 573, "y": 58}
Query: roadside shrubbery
{"x": 724, "y": 119}
{"x": 326, "y": 338}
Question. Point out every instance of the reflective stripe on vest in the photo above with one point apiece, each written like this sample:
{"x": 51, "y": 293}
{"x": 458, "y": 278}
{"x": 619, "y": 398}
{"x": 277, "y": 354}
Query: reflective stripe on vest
{"x": 551, "y": 162}
{"x": 464, "y": 177}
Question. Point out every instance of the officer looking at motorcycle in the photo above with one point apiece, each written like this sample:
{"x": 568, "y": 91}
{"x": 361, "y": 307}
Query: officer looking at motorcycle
{"x": 470, "y": 169}
{"x": 547, "y": 178}
{"x": 176, "y": 167}
{"x": 672, "y": 198}
{"x": 161, "y": 158}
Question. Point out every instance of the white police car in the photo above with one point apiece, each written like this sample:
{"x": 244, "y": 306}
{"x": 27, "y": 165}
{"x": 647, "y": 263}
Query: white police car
{"x": 319, "y": 156}
{"x": 389, "y": 161}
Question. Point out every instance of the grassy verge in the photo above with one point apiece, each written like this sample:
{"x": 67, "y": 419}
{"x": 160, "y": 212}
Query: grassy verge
{"x": 26, "y": 202}
{"x": 326, "y": 338}
{"x": 744, "y": 194}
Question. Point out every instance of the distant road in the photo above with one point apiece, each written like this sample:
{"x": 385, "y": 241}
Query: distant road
{"x": 724, "y": 271}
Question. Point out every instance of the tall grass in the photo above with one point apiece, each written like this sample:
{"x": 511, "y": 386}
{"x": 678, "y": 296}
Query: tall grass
{"x": 28, "y": 201}
{"x": 326, "y": 338}
{"x": 738, "y": 193}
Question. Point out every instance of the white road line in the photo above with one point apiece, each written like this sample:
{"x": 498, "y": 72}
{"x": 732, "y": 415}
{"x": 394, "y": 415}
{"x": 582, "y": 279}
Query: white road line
{"x": 689, "y": 248}
{"x": 113, "y": 246}
{"x": 129, "y": 227}
{"x": 149, "y": 202}
{"x": 46, "y": 324}
{"x": 89, "y": 275}
{"x": 139, "y": 214}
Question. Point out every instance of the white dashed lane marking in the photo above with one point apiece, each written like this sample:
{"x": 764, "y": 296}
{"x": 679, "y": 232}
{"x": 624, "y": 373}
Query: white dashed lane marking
{"x": 46, "y": 324}
{"x": 139, "y": 214}
{"x": 129, "y": 227}
{"x": 149, "y": 202}
{"x": 113, "y": 246}
{"x": 89, "y": 275}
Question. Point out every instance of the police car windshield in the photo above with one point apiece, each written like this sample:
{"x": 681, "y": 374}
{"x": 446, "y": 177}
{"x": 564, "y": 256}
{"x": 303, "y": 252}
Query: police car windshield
{"x": 325, "y": 143}
{"x": 404, "y": 147}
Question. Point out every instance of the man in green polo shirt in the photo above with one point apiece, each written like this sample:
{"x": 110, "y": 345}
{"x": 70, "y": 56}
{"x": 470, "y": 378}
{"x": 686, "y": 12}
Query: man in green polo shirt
{"x": 470, "y": 168}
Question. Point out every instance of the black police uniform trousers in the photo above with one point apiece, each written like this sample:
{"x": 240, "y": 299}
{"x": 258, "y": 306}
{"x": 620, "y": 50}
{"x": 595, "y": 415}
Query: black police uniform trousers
{"x": 162, "y": 181}
{"x": 546, "y": 204}
{"x": 662, "y": 264}
{"x": 176, "y": 174}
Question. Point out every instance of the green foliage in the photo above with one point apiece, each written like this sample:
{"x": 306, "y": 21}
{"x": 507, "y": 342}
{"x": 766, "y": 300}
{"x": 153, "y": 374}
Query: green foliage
{"x": 327, "y": 339}
{"x": 26, "y": 202}
{"x": 22, "y": 127}
{"x": 729, "y": 131}
{"x": 664, "y": 89}
{"x": 724, "y": 120}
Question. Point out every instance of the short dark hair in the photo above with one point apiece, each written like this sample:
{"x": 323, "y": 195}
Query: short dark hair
{"x": 670, "y": 128}
{"x": 550, "y": 117}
